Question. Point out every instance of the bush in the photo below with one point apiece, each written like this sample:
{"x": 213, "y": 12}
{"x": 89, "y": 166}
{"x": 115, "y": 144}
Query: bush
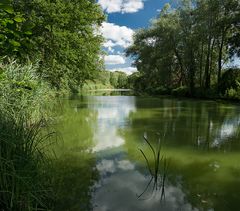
{"x": 162, "y": 90}
{"x": 180, "y": 91}
{"x": 233, "y": 94}
{"x": 230, "y": 80}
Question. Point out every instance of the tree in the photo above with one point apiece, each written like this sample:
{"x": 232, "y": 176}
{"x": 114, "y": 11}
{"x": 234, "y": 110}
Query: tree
{"x": 64, "y": 39}
{"x": 14, "y": 31}
{"x": 188, "y": 45}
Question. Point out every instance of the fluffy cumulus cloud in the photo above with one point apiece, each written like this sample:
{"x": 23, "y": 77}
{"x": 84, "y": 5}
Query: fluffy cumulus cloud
{"x": 123, "y": 6}
{"x": 114, "y": 59}
{"x": 116, "y": 35}
{"x": 127, "y": 70}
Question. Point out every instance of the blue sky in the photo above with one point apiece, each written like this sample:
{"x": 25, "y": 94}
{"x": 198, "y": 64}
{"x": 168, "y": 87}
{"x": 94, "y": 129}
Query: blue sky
{"x": 123, "y": 17}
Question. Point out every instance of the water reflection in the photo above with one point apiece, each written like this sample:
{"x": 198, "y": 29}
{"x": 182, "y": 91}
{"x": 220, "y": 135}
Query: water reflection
{"x": 201, "y": 139}
{"x": 121, "y": 183}
{"x": 113, "y": 114}
{"x": 121, "y": 180}
{"x": 74, "y": 172}
{"x": 201, "y": 124}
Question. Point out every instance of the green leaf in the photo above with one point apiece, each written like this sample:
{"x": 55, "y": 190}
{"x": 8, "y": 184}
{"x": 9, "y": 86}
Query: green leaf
{"x": 19, "y": 19}
{"x": 7, "y": 8}
{"x": 15, "y": 43}
{"x": 2, "y": 37}
{"x": 28, "y": 33}
{"x": 5, "y": 2}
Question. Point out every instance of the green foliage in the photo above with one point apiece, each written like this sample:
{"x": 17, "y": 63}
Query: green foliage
{"x": 14, "y": 31}
{"x": 104, "y": 77}
{"x": 114, "y": 79}
{"x": 132, "y": 79}
{"x": 60, "y": 34}
{"x": 108, "y": 80}
{"x": 24, "y": 183}
{"x": 122, "y": 81}
{"x": 95, "y": 85}
{"x": 22, "y": 89}
{"x": 182, "y": 91}
{"x": 233, "y": 93}
{"x": 61, "y": 37}
{"x": 230, "y": 80}
{"x": 187, "y": 45}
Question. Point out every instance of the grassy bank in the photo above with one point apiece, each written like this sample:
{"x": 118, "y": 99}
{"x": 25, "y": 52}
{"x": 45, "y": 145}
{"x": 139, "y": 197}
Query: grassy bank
{"x": 38, "y": 171}
{"x": 231, "y": 95}
{"x": 24, "y": 138}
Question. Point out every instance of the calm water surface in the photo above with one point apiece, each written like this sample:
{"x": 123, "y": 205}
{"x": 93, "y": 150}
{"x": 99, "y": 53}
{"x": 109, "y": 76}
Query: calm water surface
{"x": 201, "y": 142}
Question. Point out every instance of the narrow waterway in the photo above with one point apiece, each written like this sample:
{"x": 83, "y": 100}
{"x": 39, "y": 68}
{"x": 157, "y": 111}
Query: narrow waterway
{"x": 102, "y": 136}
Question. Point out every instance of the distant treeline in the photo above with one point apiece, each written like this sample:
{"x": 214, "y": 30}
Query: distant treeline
{"x": 107, "y": 79}
{"x": 187, "y": 48}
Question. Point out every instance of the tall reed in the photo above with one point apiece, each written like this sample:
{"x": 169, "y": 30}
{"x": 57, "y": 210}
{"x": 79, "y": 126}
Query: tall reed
{"x": 157, "y": 167}
{"x": 24, "y": 184}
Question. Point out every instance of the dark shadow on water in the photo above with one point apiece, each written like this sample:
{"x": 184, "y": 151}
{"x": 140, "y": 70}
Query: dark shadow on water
{"x": 74, "y": 178}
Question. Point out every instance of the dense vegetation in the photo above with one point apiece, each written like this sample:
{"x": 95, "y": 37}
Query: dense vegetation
{"x": 49, "y": 47}
{"x": 185, "y": 50}
{"x": 24, "y": 183}
{"x": 59, "y": 35}
{"x": 46, "y": 47}
{"x": 108, "y": 80}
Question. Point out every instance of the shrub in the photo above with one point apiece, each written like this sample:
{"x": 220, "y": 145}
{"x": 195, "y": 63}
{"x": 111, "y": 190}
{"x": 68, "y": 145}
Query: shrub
{"x": 162, "y": 90}
{"x": 233, "y": 94}
{"x": 229, "y": 80}
{"x": 181, "y": 91}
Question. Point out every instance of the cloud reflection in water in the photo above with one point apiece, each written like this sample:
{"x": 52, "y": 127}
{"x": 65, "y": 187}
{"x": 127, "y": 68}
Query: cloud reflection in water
{"x": 121, "y": 183}
{"x": 112, "y": 114}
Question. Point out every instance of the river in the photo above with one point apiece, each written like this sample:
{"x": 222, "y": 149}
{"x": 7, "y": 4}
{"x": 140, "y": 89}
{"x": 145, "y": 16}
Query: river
{"x": 105, "y": 170}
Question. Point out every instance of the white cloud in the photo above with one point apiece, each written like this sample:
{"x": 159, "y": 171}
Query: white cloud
{"x": 110, "y": 49}
{"x": 127, "y": 70}
{"x": 109, "y": 43}
{"x": 123, "y": 6}
{"x": 114, "y": 59}
{"x": 116, "y": 35}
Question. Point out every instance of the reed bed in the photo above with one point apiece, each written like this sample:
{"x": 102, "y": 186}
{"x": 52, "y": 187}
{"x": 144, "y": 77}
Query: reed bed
{"x": 24, "y": 181}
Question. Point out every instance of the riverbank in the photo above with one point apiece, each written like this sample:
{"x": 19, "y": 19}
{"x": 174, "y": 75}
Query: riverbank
{"x": 184, "y": 95}
{"x": 25, "y": 179}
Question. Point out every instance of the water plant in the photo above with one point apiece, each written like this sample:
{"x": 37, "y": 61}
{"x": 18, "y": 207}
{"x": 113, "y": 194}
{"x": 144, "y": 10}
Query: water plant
{"x": 157, "y": 166}
{"x": 24, "y": 139}
{"x": 23, "y": 184}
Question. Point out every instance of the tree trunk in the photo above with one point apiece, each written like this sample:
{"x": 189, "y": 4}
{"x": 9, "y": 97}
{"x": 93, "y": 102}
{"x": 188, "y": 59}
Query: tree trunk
{"x": 201, "y": 65}
{"x": 211, "y": 60}
{"x": 180, "y": 64}
{"x": 207, "y": 66}
{"x": 220, "y": 60}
